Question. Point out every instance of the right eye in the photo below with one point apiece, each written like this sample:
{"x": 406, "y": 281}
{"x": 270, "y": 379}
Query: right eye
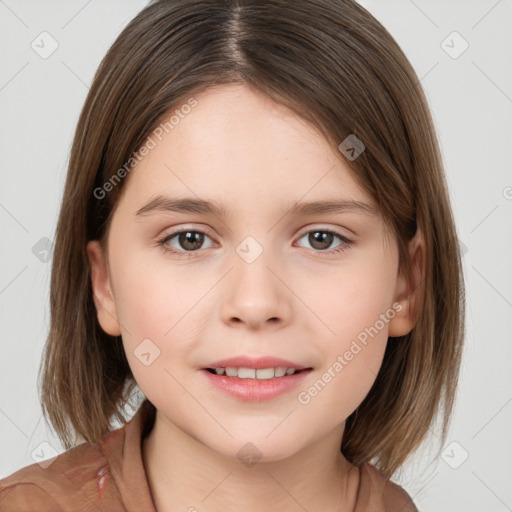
{"x": 190, "y": 241}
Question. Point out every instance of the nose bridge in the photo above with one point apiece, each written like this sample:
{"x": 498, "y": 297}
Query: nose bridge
{"x": 256, "y": 294}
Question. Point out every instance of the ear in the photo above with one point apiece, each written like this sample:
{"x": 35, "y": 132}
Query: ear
{"x": 102, "y": 291}
{"x": 408, "y": 289}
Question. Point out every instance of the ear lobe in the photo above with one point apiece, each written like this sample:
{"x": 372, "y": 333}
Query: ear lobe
{"x": 409, "y": 289}
{"x": 102, "y": 293}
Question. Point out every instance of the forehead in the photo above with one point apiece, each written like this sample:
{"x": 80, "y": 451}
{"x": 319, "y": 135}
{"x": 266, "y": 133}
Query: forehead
{"x": 236, "y": 144}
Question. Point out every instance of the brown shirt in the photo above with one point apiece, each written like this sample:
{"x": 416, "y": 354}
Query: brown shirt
{"x": 109, "y": 476}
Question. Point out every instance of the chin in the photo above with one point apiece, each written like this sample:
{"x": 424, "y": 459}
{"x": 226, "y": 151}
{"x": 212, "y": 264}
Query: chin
{"x": 257, "y": 449}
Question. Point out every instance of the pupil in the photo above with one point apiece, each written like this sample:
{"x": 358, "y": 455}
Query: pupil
{"x": 188, "y": 238}
{"x": 325, "y": 239}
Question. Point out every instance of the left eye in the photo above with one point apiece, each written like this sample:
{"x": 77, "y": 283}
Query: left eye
{"x": 189, "y": 240}
{"x": 323, "y": 238}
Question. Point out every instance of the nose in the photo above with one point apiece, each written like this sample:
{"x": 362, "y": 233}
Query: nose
{"x": 255, "y": 295}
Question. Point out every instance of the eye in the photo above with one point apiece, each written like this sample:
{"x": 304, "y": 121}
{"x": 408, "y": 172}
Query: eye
{"x": 321, "y": 239}
{"x": 190, "y": 240}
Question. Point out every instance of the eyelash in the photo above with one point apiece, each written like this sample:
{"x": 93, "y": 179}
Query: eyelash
{"x": 190, "y": 254}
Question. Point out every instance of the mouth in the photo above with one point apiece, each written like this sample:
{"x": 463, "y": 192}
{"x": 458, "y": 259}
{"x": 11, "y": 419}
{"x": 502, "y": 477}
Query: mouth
{"x": 256, "y": 373}
{"x": 254, "y": 384}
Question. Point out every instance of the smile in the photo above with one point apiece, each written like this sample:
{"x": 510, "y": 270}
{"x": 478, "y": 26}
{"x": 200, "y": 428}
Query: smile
{"x": 255, "y": 385}
{"x": 254, "y": 373}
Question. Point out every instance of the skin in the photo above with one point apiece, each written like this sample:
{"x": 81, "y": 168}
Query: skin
{"x": 256, "y": 157}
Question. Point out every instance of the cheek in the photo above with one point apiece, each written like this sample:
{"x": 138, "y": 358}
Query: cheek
{"x": 154, "y": 297}
{"x": 354, "y": 305}
{"x": 351, "y": 297}
{"x": 157, "y": 312}
{"x": 352, "y": 357}
{"x": 159, "y": 333}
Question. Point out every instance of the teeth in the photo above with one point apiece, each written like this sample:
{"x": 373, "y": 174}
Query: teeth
{"x": 231, "y": 372}
{"x": 253, "y": 373}
{"x": 279, "y": 372}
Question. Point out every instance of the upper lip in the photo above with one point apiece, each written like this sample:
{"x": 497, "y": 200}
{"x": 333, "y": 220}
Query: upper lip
{"x": 255, "y": 362}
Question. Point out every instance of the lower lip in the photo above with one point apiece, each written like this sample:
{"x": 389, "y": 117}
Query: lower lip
{"x": 254, "y": 390}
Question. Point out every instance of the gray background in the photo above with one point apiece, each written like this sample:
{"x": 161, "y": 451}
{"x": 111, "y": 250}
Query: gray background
{"x": 471, "y": 99}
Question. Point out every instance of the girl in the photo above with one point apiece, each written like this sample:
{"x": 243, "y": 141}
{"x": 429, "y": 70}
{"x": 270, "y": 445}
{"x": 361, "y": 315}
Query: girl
{"x": 256, "y": 233}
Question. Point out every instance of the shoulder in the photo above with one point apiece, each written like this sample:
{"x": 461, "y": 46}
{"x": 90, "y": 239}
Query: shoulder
{"x": 379, "y": 493}
{"x": 23, "y": 496}
{"x": 58, "y": 484}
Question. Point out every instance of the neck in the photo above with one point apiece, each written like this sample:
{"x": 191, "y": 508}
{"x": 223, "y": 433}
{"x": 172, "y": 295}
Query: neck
{"x": 184, "y": 474}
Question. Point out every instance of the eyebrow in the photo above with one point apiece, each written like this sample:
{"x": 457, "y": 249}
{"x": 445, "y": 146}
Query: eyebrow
{"x": 192, "y": 205}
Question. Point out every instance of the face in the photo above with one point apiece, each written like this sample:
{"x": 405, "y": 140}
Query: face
{"x": 319, "y": 289}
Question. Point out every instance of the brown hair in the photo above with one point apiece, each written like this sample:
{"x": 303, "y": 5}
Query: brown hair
{"x": 336, "y": 66}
